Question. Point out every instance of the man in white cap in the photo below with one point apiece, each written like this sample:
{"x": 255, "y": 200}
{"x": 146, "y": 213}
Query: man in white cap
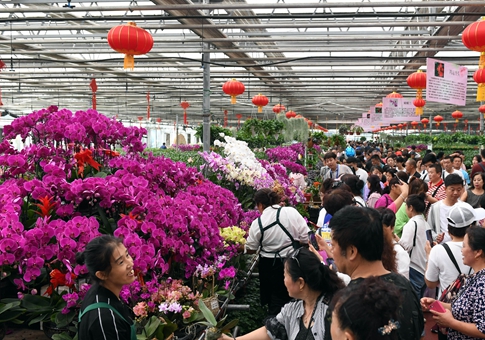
{"x": 445, "y": 261}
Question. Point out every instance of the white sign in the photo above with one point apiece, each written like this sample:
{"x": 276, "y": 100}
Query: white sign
{"x": 446, "y": 82}
{"x": 397, "y": 110}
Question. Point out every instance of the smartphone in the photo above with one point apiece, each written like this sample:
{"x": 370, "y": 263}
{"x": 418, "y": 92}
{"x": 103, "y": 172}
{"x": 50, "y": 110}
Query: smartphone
{"x": 429, "y": 237}
{"x": 313, "y": 240}
{"x": 331, "y": 264}
{"x": 437, "y": 307}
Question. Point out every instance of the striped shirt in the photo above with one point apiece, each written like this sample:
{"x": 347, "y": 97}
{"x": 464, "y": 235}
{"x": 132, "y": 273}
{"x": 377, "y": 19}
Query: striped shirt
{"x": 103, "y": 323}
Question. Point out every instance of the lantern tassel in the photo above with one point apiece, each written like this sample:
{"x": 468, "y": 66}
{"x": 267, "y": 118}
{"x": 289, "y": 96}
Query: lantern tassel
{"x": 481, "y": 63}
{"x": 233, "y": 99}
{"x": 185, "y": 117}
{"x": 260, "y": 109}
{"x": 129, "y": 62}
{"x": 94, "y": 101}
{"x": 419, "y": 111}
{"x": 481, "y": 92}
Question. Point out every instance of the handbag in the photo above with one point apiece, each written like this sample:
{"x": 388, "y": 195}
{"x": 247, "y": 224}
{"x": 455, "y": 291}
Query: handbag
{"x": 451, "y": 292}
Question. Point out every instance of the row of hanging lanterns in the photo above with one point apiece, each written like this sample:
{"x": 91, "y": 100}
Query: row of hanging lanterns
{"x": 132, "y": 40}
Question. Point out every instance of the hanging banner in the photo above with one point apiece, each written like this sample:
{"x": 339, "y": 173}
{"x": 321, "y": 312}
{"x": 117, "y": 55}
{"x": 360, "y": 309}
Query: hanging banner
{"x": 446, "y": 82}
{"x": 397, "y": 110}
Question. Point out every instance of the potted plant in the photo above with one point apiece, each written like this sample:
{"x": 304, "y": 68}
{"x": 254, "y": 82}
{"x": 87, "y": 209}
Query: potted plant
{"x": 343, "y": 129}
{"x": 214, "y": 328}
{"x": 357, "y": 129}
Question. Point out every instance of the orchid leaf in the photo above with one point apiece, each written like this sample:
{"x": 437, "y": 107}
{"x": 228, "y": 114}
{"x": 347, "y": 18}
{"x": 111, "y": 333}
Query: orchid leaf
{"x": 151, "y": 326}
{"x": 231, "y": 324}
{"x": 207, "y": 313}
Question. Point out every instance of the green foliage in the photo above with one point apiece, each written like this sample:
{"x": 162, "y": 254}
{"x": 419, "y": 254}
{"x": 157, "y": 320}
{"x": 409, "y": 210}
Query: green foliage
{"x": 294, "y": 129}
{"x": 363, "y": 139}
{"x": 446, "y": 139}
{"x": 450, "y": 142}
{"x": 252, "y": 319}
{"x": 157, "y": 328}
{"x": 337, "y": 140}
{"x": 343, "y": 129}
{"x": 261, "y": 133}
{"x": 214, "y": 133}
{"x": 10, "y": 311}
{"x": 300, "y": 207}
{"x": 215, "y": 328}
{"x": 191, "y": 158}
{"x": 319, "y": 136}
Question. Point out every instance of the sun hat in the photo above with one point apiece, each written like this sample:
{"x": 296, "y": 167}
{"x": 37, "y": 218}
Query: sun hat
{"x": 461, "y": 215}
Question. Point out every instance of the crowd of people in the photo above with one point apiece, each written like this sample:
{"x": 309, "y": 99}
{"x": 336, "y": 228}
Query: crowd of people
{"x": 403, "y": 228}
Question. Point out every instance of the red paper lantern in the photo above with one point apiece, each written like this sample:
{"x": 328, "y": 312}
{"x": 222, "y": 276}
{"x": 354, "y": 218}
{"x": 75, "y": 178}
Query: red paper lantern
{"x": 394, "y": 95}
{"x": 185, "y": 105}
{"x": 457, "y": 115}
{"x": 400, "y": 126}
{"x": 414, "y": 124}
{"x": 479, "y": 76}
{"x": 130, "y": 40}
{"x": 417, "y": 81}
{"x": 473, "y": 38}
{"x": 159, "y": 120}
{"x": 233, "y": 88}
{"x": 238, "y": 116}
{"x": 278, "y": 108}
{"x": 481, "y": 109}
{"x": 260, "y": 100}
{"x": 425, "y": 121}
{"x": 290, "y": 114}
{"x": 438, "y": 119}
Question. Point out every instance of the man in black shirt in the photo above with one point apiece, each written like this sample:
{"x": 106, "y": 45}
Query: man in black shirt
{"x": 358, "y": 243}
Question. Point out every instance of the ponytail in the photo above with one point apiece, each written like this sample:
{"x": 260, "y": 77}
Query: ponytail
{"x": 266, "y": 197}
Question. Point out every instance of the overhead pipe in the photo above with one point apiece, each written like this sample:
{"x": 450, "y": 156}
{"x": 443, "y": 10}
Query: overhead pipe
{"x": 244, "y": 5}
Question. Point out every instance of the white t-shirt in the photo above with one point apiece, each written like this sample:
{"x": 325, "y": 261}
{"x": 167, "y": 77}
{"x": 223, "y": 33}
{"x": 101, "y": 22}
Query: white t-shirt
{"x": 418, "y": 255}
{"x": 424, "y": 176}
{"x": 402, "y": 260}
{"x": 321, "y": 217}
{"x": 275, "y": 238}
{"x": 440, "y": 266}
{"x": 444, "y": 210}
{"x": 360, "y": 201}
{"x": 362, "y": 174}
{"x": 457, "y": 172}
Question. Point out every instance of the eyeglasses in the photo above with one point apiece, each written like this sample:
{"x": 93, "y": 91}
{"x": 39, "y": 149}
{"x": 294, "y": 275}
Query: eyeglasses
{"x": 295, "y": 256}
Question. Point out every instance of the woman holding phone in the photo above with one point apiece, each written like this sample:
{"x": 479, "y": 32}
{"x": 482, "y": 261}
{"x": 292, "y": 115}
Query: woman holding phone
{"x": 465, "y": 316}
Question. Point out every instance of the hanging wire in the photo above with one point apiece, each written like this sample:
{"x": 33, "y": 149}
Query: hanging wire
{"x": 11, "y": 48}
